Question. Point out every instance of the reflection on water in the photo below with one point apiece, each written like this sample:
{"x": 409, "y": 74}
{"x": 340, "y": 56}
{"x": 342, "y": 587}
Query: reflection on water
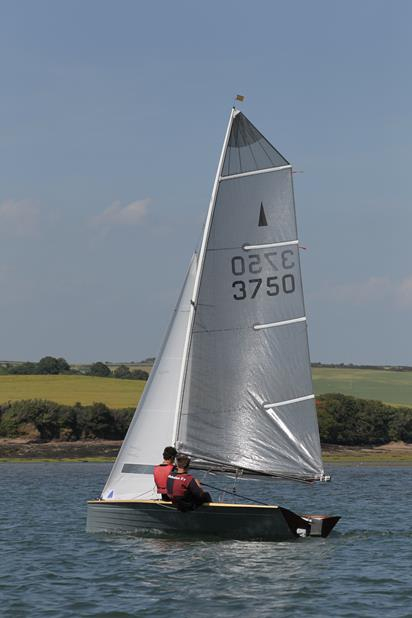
{"x": 51, "y": 567}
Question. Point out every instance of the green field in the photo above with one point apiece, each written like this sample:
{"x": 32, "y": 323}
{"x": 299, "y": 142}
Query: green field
{"x": 393, "y": 387}
{"x": 71, "y": 389}
{"x": 389, "y": 386}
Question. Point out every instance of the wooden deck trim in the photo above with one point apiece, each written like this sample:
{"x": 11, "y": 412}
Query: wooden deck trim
{"x": 163, "y": 502}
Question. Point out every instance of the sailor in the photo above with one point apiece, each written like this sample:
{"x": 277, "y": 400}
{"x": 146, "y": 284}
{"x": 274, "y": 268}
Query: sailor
{"x": 183, "y": 489}
{"x": 162, "y": 471}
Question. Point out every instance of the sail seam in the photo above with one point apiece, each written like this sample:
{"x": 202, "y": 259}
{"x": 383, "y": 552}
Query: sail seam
{"x": 267, "y": 406}
{"x": 254, "y": 172}
{"x": 282, "y": 323}
{"x": 284, "y": 243}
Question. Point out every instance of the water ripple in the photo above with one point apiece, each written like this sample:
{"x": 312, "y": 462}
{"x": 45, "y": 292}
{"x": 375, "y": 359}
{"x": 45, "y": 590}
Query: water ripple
{"x": 51, "y": 567}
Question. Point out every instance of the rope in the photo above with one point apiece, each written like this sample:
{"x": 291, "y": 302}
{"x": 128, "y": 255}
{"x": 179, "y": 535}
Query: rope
{"x": 143, "y": 494}
{"x": 232, "y": 493}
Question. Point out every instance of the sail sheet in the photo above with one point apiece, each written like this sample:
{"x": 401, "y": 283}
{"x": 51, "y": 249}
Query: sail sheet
{"x": 152, "y": 426}
{"x": 247, "y": 399}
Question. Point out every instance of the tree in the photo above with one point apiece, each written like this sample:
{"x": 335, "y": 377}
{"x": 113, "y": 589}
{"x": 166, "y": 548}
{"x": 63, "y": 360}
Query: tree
{"x": 400, "y": 427}
{"x": 48, "y": 365}
{"x": 23, "y": 369}
{"x": 122, "y": 371}
{"x": 138, "y": 374}
{"x": 351, "y": 421}
{"x": 63, "y": 365}
{"x": 99, "y": 369}
{"x": 96, "y": 421}
{"x": 121, "y": 421}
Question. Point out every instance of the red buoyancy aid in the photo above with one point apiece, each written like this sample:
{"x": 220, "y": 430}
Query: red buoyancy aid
{"x": 177, "y": 484}
{"x": 160, "y": 473}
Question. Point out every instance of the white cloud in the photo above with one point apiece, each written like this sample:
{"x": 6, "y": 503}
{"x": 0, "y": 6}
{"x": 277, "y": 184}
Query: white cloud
{"x": 373, "y": 289}
{"x": 396, "y": 293}
{"x": 404, "y": 292}
{"x": 116, "y": 214}
{"x": 18, "y": 218}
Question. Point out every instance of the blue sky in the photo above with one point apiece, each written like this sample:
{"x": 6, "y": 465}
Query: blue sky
{"x": 112, "y": 116}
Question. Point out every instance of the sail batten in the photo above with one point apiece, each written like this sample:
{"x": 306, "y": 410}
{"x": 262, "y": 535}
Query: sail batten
{"x": 282, "y": 323}
{"x": 268, "y": 245}
{"x": 268, "y": 406}
{"x": 255, "y": 172}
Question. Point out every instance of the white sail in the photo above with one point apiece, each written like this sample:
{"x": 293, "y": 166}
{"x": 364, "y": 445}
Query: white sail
{"x": 152, "y": 426}
{"x": 247, "y": 399}
{"x": 232, "y": 385}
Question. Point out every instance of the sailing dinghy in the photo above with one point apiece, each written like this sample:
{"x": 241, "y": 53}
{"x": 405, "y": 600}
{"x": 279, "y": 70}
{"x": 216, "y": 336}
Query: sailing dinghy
{"x": 232, "y": 385}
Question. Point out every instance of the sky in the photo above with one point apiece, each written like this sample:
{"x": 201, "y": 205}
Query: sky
{"x": 112, "y": 117}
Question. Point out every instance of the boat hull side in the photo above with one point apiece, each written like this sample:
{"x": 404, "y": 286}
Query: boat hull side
{"x": 215, "y": 520}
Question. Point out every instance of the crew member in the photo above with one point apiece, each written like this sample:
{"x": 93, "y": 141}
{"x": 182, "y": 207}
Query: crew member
{"x": 183, "y": 489}
{"x": 162, "y": 471}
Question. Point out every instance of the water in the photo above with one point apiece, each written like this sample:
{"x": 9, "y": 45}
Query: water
{"x": 49, "y": 567}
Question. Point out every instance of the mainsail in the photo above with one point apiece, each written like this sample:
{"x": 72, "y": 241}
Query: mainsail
{"x": 247, "y": 399}
{"x": 232, "y": 385}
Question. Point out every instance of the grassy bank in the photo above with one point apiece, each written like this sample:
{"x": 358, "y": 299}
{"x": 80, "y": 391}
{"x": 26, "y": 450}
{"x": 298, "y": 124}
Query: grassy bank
{"x": 59, "y": 460}
{"x": 377, "y": 456}
{"x": 69, "y": 390}
{"x": 393, "y": 387}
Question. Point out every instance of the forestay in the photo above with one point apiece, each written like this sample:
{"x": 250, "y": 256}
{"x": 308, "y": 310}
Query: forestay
{"x": 247, "y": 397}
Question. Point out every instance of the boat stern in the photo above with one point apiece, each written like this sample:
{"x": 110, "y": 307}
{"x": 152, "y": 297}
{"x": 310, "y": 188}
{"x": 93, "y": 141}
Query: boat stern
{"x": 321, "y": 525}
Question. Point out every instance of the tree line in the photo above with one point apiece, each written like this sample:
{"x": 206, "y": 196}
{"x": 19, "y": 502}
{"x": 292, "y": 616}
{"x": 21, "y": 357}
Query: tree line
{"x": 43, "y": 420}
{"x": 351, "y": 421}
{"x": 370, "y": 367}
{"x": 342, "y": 420}
{"x": 49, "y": 365}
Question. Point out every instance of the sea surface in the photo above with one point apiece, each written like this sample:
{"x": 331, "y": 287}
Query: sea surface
{"x": 50, "y": 567}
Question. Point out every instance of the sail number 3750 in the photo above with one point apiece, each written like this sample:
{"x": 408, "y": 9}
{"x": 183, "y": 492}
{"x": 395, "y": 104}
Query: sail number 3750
{"x": 254, "y": 264}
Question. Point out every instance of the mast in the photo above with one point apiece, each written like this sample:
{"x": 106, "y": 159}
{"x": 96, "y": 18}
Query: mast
{"x": 200, "y": 262}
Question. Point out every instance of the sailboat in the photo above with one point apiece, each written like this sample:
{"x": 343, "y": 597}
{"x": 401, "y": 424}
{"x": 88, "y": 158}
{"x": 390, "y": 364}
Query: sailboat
{"x": 232, "y": 385}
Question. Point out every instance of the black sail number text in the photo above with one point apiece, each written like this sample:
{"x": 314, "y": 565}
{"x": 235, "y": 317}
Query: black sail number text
{"x": 254, "y": 264}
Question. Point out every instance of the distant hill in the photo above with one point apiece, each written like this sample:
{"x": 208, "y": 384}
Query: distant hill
{"x": 393, "y": 387}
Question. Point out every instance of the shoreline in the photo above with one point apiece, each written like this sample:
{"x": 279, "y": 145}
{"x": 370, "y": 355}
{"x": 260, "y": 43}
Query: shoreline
{"x": 21, "y": 450}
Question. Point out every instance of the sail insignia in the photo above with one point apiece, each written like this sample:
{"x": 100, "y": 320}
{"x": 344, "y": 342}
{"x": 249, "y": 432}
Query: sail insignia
{"x": 262, "y": 216}
{"x": 248, "y": 150}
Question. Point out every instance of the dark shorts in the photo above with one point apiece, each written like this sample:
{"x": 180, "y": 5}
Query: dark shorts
{"x": 190, "y": 503}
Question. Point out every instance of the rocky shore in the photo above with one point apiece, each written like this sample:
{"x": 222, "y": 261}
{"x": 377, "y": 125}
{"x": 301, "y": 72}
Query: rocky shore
{"x": 394, "y": 453}
{"x": 21, "y": 449}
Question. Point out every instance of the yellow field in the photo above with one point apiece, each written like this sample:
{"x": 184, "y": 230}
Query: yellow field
{"x": 71, "y": 389}
{"x": 388, "y": 386}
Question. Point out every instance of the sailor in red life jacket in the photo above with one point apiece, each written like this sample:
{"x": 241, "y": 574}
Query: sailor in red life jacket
{"x": 162, "y": 471}
{"x": 184, "y": 490}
